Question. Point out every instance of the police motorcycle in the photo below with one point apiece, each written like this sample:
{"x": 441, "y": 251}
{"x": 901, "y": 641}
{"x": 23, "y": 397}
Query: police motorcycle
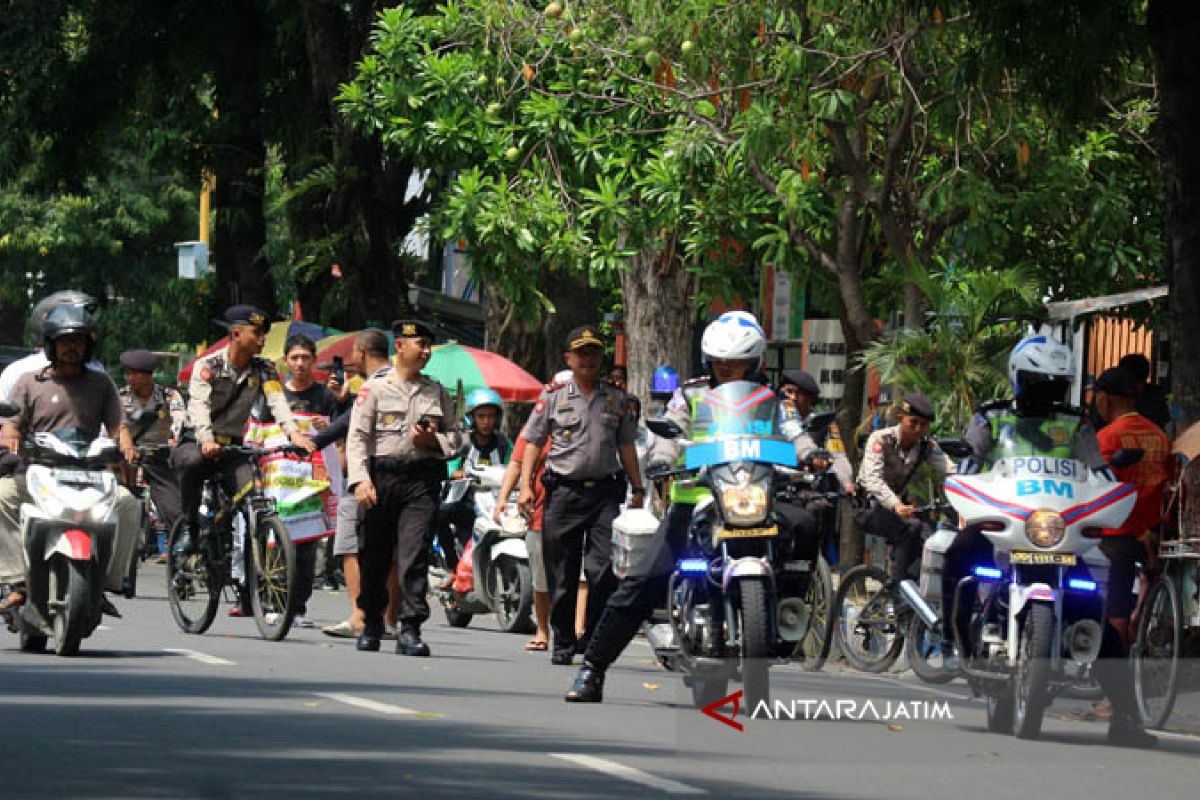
{"x": 723, "y": 597}
{"x": 493, "y": 574}
{"x": 69, "y": 530}
{"x": 1037, "y": 611}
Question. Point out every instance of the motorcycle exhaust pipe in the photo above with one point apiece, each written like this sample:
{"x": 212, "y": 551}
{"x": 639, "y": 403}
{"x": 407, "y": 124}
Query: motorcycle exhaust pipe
{"x": 910, "y": 592}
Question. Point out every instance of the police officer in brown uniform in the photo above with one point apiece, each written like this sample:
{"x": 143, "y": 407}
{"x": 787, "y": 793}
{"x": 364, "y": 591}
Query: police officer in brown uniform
{"x": 402, "y": 430}
{"x": 222, "y": 392}
{"x": 592, "y": 437}
{"x": 155, "y": 416}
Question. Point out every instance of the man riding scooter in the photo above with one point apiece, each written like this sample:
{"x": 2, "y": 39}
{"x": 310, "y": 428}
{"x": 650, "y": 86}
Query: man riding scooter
{"x": 489, "y": 448}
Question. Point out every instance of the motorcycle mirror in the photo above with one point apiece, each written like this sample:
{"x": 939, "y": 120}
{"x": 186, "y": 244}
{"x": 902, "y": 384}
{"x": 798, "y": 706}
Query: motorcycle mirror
{"x": 1127, "y": 457}
{"x": 663, "y": 427}
{"x": 956, "y": 448}
{"x": 8, "y": 409}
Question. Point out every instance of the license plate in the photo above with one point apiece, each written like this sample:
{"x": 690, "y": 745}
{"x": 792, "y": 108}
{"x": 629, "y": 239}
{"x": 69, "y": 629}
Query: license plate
{"x": 1054, "y": 559}
{"x": 748, "y": 533}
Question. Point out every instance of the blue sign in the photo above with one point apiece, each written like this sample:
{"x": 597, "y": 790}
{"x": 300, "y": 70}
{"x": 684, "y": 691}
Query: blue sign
{"x": 723, "y": 451}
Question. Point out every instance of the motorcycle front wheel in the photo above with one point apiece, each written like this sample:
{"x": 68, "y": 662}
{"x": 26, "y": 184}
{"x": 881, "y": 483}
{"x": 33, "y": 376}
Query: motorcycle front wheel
{"x": 271, "y": 577}
{"x": 512, "y": 588}
{"x": 70, "y": 599}
{"x": 1031, "y": 694}
{"x": 758, "y": 641}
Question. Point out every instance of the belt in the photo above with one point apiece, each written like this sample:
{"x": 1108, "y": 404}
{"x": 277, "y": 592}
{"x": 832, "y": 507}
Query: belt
{"x": 586, "y": 483}
{"x": 399, "y": 466}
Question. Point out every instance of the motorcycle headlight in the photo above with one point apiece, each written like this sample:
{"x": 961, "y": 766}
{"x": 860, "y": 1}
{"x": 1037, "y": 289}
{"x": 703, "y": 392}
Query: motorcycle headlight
{"x": 743, "y": 497}
{"x": 1045, "y": 528}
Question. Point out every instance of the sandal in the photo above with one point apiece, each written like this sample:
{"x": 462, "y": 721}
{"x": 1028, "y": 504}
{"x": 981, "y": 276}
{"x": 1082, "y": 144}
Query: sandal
{"x": 15, "y": 599}
{"x": 537, "y": 646}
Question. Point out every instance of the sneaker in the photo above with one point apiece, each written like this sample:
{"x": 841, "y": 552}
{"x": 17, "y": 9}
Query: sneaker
{"x": 303, "y": 622}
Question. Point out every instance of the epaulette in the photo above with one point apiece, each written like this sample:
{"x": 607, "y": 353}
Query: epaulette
{"x": 701, "y": 380}
{"x": 554, "y": 387}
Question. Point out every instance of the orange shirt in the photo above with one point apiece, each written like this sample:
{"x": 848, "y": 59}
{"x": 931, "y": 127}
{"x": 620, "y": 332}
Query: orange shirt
{"x": 1149, "y": 475}
{"x": 539, "y": 491}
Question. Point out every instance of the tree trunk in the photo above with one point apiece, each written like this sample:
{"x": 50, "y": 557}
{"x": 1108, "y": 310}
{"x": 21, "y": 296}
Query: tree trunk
{"x": 1174, "y": 30}
{"x": 239, "y": 158}
{"x": 659, "y": 316}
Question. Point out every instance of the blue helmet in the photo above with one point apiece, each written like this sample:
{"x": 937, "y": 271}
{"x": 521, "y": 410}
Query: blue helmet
{"x": 478, "y": 398}
{"x": 666, "y": 380}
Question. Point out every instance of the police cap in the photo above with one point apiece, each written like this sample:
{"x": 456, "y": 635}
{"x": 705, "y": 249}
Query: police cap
{"x": 583, "y": 336}
{"x": 802, "y": 381}
{"x": 915, "y": 405}
{"x": 412, "y": 329}
{"x": 139, "y": 360}
{"x": 245, "y": 315}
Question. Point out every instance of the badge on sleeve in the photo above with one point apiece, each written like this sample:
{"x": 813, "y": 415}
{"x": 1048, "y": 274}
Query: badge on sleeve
{"x": 205, "y": 373}
{"x": 877, "y": 447}
{"x": 540, "y": 407}
{"x": 361, "y": 397}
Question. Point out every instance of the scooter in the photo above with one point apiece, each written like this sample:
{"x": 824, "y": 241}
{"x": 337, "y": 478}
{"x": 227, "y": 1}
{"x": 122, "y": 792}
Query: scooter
{"x": 493, "y": 574}
{"x": 70, "y": 534}
{"x": 1038, "y": 612}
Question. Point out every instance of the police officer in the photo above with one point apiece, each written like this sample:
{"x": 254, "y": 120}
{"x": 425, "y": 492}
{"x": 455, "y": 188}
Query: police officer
{"x": 801, "y": 391}
{"x": 224, "y": 388}
{"x": 155, "y": 416}
{"x": 402, "y": 430}
{"x": 590, "y": 428}
{"x": 892, "y": 457}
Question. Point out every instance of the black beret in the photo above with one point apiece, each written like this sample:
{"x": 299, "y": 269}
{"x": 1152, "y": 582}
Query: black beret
{"x": 1117, "y": 381}
{"x": 802, "y": 381}
{"x": 411, "y": 329}
{"x": 915, "y": 405}
{"x": 583, "y": 336}
{"x": 139, "y": 360}
{"x": 245, "y": 315}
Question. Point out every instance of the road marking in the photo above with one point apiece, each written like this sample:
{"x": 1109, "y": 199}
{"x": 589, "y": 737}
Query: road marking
{"x": 203, "y": 658}
{"x": 630, "y": 774}
{"x": 370, "y": 705}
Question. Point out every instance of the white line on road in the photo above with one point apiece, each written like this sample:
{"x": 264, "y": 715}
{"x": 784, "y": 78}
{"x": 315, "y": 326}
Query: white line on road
{"x": 203, "y": 658}
{"x": 370, "y": 705}
{"x": 628, "y": 773}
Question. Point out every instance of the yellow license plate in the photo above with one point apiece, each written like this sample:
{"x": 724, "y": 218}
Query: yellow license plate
{"x": 1053, "y": 559}
{"x": 748, "y": 533}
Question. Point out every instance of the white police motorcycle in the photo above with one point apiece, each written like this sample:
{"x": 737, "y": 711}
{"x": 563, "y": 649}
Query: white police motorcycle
{"x": 1038, "y": 612}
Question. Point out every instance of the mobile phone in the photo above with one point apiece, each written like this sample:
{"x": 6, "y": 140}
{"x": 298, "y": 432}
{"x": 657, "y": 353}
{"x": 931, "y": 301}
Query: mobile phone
{"x": 423, "y": 422}
{"x": 339, "y": 370}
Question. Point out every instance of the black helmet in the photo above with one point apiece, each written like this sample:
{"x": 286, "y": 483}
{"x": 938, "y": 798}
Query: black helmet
{"x": 64, "y": 321}
{"x": 37, "y": 320}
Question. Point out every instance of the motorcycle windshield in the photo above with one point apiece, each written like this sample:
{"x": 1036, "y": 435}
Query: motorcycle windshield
{"x": 1033, "y": 439}
{"x": 737, "y": 421}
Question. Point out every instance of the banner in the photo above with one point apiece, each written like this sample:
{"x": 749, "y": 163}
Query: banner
{"x": 304, "y": 491}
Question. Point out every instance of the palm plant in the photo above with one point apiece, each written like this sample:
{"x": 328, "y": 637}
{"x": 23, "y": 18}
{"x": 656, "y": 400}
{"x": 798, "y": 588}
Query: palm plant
{"x": 958, "y": 358}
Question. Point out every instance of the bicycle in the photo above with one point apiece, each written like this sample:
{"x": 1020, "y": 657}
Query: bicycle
{"x": 196, "y": 580}
{"x": 874, "y": 618}
{"x": 1168, "y": 623}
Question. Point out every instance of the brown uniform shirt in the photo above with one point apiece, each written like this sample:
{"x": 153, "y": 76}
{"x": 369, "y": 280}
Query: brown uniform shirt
{"x": 221, "y": 397}
{"x": 48, "y": 403}
{"x": 384, "y": 413}
{"x": 584, "y": 432}
{"x": 172, "y": 415}
{"x": 885, "y": 465}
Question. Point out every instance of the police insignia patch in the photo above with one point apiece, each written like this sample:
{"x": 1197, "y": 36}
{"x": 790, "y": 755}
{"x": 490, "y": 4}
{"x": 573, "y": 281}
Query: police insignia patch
{"x": 877, "y": 447}
{"x": 205, "y": 373}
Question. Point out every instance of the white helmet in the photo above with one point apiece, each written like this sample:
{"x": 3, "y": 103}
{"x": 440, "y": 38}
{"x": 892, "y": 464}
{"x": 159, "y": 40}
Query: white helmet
{"x": 1039, "y": 358}
{"x": 733, "y": 336}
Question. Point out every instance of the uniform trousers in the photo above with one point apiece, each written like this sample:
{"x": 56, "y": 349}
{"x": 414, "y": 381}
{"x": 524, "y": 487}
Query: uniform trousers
{"x": 236, "y": 472}
{"x": 400, "y": 524}
{"x": 575, "y": 512}
{"x": 164, "y": 490}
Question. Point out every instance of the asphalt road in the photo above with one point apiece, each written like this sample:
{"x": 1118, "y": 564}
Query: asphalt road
{"x": 147, "y": 711}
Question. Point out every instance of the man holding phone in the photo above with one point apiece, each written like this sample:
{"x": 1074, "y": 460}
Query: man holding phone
{"x": 402, "y": 430}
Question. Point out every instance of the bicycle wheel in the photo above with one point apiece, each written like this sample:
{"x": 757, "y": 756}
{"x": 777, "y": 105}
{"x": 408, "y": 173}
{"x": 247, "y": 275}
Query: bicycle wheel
{"x": 925, "y": 655}
{"x": 271, "y": 577}
{"x": 867, "y": 628}
{"x": 193, "y": 585}
{"x": 1155, "y": 653}
{"x": 813, "y": 649}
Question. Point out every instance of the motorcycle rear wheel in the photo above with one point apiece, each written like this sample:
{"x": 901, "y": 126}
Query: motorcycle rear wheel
{"x": 271, "y": 578}
{"x": 513, "y": 590}
{"x": 866, "y": 624}
{"x": 69, "y": 590}
{"x": 193, "y": 585}
{"x": 757, "y": 642}
{"x": 1031, "y": 694}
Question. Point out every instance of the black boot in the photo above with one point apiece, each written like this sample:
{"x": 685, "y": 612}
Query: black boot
{"x": 1127, "y": 731}
{"x": 368, "y": 640}
{"x": 614, "y": 631}
{"x": 409, "y": 643}
{"x": 588, "y": 686}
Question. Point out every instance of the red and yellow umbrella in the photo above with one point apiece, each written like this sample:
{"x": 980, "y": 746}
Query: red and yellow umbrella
{"x": 451, "y": 363}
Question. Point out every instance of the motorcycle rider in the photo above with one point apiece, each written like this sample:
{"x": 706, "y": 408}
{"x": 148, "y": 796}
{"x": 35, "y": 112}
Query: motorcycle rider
{"x": 891, "y": 457}
{"x": 1037, "y": 421}
{"x": 64, "y": 394}
{"x": 38, "y": 360}
{"x": 732, "y": 346}
{"x": 482, "y": 416}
